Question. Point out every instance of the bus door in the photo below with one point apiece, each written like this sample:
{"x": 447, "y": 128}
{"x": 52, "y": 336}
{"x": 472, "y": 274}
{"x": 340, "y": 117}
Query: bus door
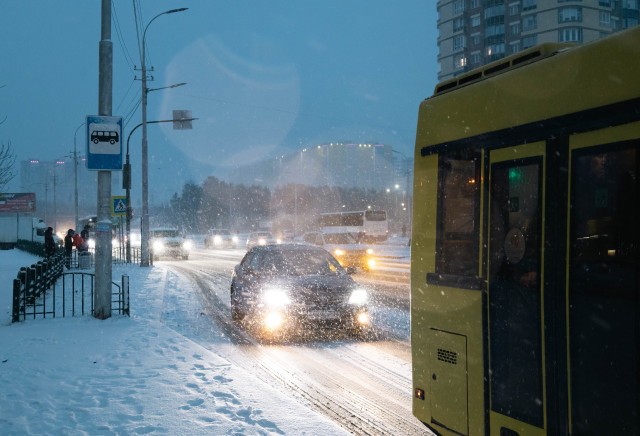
{"x": 603, "y": 303}
{"x": 515, "y": 289}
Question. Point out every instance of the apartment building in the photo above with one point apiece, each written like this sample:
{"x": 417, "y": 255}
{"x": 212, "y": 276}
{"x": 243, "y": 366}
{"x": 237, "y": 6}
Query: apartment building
{"x": 472, "y": 33}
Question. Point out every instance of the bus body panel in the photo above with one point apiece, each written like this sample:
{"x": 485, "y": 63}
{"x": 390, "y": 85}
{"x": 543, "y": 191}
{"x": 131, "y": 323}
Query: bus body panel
{"x": 578, "y": 103}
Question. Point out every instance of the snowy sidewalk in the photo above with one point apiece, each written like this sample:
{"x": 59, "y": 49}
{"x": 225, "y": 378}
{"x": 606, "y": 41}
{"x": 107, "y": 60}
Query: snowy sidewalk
{"x": 135, "y": 375}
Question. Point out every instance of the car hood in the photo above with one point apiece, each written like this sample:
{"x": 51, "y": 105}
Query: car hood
{"x": 169, "y": 240}
{"x": 310, "y": 286}
{"x": 345, "y": 247}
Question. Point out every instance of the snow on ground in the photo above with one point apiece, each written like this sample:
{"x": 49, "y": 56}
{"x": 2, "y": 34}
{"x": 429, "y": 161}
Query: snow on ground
{"x": 134, "y": 375}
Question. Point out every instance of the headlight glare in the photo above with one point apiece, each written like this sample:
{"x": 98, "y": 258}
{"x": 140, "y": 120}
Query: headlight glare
{"x": 158, "y": 246}
{"x": 338, "y": 252}
{"x": 275, "y": 297}
{"x": 370, "y": 251}
{"x": 188, "y": 245}
{"x": 358, "y": 296}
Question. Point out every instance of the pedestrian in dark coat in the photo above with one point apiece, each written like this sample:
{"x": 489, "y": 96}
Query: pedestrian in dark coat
{"x": 68, "y": 247}
{"x": 49, "y": 243}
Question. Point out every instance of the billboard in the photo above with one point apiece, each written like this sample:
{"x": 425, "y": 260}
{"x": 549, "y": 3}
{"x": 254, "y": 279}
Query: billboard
{"x": 17, "y": 202}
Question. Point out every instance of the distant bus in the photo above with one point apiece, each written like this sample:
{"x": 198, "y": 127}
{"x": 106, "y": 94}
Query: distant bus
{"x": 365, "y": 226}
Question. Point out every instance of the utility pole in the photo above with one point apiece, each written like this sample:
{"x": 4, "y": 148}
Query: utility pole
{"x": 102, "y": 296}
{"x": 144, "y": 243}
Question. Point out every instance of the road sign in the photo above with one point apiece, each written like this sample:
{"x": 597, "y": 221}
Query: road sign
{"x": 104, "y": 143}
{"x": 118, "y": 205}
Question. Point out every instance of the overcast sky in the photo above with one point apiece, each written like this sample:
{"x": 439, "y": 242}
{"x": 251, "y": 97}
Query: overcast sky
{"x": 264, "y": 77}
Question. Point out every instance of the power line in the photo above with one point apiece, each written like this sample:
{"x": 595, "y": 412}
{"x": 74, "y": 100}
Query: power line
{"x": 125, "y": 95}
{"x": 116, "y": 22}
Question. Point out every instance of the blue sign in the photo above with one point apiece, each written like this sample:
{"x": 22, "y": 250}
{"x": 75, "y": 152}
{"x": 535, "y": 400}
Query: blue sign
{"x": 104, "y": 143}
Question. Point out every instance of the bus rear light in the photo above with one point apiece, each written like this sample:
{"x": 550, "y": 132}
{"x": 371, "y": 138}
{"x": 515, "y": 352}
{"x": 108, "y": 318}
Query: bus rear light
{"x": 419, "y": 394}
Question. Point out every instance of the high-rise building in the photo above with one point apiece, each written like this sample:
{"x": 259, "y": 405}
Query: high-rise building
{"x": 472, "y": 33}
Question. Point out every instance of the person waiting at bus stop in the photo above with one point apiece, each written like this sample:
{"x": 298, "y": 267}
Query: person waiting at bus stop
{"x": 68, "y": 247}
{"x": 49, "y": 243}
{"x": 80, "y": 244}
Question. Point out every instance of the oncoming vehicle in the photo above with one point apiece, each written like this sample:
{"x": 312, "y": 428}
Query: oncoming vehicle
{"x": 525, "y": 277}
{"x": 168, "y": 242}
{"x": 365, "y": 226}
{"x": 344, "y": 248}
{"x": 261, "y": 238}
{"x": 220, "y": 238}
{"x": 294, "y": 287}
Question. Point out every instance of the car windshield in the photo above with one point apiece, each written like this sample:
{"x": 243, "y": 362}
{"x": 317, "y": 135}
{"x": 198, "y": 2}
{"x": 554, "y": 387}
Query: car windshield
{"x": 339, "y": 238}
{"x": 299, "y": 263}
{"x": 164, "y": 233}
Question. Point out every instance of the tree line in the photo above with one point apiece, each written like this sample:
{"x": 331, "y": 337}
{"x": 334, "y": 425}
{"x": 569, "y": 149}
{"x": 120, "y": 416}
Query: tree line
{"x": 287, "y": 209}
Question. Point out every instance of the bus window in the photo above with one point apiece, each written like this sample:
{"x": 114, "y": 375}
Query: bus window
{"x": 604, "y": 294}
{"x": 458, "y": 204}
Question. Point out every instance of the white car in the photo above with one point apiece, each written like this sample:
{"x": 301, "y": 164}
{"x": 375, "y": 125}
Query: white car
{"x": 261, "y": 238}
{"x": 168, "y": 242}
{"x": 220, "y": 238}
{"x": 344, "y": 248}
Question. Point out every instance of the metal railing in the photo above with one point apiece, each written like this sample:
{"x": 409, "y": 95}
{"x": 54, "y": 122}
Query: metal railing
{"x": 43, "y": 289}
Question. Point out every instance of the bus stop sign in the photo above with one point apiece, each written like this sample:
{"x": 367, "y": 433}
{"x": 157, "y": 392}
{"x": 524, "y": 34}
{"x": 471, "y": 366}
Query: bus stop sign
{"x": 104, "y": 143}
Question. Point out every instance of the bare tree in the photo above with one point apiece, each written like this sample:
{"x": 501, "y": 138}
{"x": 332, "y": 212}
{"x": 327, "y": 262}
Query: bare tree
{"x": 7, "y": 162}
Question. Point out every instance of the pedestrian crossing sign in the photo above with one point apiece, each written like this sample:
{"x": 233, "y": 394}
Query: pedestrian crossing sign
{"x": 118, "y": 205}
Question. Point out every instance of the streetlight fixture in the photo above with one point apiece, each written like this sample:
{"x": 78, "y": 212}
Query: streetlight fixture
{"x": 144, "y": 261}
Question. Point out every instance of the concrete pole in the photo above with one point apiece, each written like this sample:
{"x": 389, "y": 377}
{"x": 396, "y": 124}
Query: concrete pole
{"x": 102, "y": 296}
{"x": 144, "y": 231}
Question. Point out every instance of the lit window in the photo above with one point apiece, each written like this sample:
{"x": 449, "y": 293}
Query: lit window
{"x": 460, "y": 61}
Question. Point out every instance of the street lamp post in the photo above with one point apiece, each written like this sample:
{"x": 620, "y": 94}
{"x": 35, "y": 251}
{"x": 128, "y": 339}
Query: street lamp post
{"x": 144, "y": 261}
{"x": 126, "y": 177}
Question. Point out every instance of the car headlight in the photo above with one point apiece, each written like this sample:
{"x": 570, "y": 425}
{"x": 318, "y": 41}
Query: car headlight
{"x": 217, "y": 240}
{"x": 262, "y": 241}
{"x": 278, "y": 241}
{"x": 235, "y": 239}
{"x": 338, "y": 252}
{"x": 358, "y": 296}
{"x": 187, "y": 245}
{"x": 275, "y": 297}
{"x": 158, "y": 246}
{"x": 370, "y": 251}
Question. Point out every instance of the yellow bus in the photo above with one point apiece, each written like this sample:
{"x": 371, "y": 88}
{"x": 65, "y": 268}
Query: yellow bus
{"x": 525, "y": 252}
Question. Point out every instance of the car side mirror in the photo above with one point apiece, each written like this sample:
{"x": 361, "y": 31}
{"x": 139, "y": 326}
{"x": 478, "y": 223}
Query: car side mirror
{"x": 351, "y": 270}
